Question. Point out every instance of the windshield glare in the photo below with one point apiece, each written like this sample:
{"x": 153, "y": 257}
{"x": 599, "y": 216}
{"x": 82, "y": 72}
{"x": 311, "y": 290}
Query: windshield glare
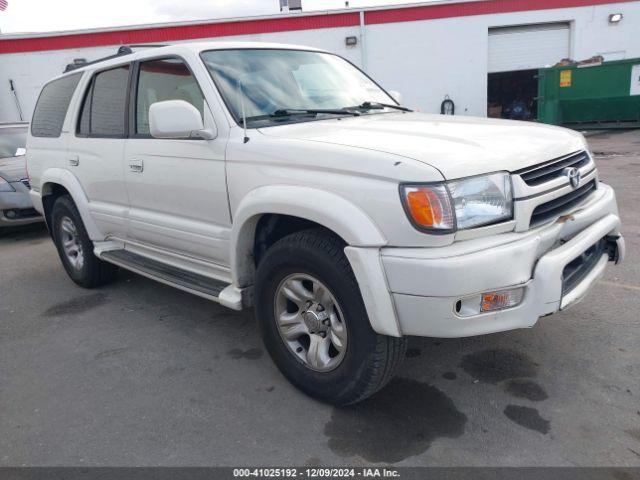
{"x": 271, "y": 80}
{"x": 12, "y": 141}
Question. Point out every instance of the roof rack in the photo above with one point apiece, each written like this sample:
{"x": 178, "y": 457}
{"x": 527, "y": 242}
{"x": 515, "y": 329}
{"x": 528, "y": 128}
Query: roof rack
{"x": 122, "y": 51}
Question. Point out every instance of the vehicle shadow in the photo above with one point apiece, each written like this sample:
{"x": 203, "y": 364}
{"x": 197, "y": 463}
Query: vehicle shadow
{"x": 33, "y": 232}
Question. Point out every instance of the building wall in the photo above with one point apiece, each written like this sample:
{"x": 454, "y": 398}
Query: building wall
{"x": 424, "y": 60}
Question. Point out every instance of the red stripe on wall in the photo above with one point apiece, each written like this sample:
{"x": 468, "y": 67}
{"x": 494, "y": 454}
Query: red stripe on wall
{"x": 284, "y": 24}
{"x": 431, "y": 12}
{"x": 186, "y": 32}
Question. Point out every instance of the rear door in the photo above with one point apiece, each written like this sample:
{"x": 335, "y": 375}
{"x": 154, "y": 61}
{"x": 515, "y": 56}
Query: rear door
{"x": 49, "y": 130}
{"x": 177, "y": 187}
{"x": 96, "y": 154}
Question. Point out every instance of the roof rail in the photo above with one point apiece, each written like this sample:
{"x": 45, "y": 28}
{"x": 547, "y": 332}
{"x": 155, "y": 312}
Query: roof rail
{"x": 122, "y": 51}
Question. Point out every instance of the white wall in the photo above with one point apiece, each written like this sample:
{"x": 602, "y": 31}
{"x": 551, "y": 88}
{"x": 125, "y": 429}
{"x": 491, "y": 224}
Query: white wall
{"x": 424, "y": 60}
{"x": 427, "y": 60}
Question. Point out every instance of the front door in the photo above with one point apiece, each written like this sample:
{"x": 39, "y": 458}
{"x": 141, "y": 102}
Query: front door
{"x": 177, "y": 187}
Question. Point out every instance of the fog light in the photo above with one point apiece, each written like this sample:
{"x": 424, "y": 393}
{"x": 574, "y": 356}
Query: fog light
{"x": 491, "y": 301}
{"x": 11, "y": 214}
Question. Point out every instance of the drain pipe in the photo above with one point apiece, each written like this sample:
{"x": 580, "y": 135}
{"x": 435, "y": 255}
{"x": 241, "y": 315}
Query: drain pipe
{"x": 15, "y": 96}
{"x": 363, "y": 50}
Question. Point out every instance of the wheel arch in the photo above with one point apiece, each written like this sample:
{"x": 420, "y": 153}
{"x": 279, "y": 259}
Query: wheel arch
{"x": 56, "y": 182}
{"x": 301, "y": 204}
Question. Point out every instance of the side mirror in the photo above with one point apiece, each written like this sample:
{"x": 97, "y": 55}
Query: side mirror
{"x": 20, "y": 152}
{"x": 177, "y": 119}
{"x": 397, "y": 96}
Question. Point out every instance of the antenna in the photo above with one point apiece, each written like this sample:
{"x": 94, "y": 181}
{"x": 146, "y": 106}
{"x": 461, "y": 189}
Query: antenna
{"x": 244, "y": 116}
{"x": 15, "y": 95}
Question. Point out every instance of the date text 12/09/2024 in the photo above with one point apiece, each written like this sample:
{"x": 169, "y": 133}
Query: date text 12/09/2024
{"x": 292, "y": 472}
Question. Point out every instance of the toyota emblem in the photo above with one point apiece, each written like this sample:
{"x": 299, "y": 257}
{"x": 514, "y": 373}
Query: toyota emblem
{"x": 573, "y": 174}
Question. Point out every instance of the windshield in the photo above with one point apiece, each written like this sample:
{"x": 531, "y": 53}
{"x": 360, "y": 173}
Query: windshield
{"x": 12, "y": 141}
{"x": 289, "y": 82}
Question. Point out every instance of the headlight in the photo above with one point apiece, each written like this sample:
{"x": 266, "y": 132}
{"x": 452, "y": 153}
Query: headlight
{"x": 6, "y": 186}
{"x": 482, "y": 200}
{"x": 460, "y": 204}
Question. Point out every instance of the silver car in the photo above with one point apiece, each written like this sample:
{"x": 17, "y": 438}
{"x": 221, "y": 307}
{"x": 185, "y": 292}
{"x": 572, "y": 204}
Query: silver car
{"x": 15, "y": 204}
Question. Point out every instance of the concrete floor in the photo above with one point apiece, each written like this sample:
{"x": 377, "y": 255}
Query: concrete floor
{"x": 141, "y": 374}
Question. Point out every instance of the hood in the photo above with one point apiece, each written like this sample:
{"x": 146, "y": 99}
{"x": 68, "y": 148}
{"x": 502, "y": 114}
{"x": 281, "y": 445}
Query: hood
{"x": 457, "y": 146}
{"x": 13, "y": 169}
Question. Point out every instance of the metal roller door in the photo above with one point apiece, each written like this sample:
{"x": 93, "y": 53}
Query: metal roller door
{"x": 527, "y": 47}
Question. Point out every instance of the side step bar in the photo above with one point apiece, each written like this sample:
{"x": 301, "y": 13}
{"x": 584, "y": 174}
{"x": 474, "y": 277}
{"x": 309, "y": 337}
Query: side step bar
{"x": 200, "y": 285}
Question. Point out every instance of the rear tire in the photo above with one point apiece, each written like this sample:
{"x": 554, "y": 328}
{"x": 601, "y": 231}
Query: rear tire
{"x": 359, "y": 362}
{"x": 75, "y": 248}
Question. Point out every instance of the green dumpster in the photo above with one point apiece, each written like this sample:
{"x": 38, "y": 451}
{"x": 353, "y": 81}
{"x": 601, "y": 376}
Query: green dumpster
{"x": 591, "y": 97}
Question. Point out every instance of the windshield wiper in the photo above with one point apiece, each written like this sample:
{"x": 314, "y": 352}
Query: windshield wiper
{"x": 285, "y": 112}
{"x": 379, "y": 106}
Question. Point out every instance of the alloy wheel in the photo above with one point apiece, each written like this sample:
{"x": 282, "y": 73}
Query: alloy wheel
{"x": 71, "y": 243}
{"x": 310, "y": 322}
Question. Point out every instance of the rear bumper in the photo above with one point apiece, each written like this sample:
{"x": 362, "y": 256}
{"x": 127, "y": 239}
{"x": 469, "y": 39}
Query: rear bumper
{"x": 426, "y": 284}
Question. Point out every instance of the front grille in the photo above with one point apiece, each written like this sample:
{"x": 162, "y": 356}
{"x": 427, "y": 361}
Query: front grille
{"x": 558, "y": 206}
{"x": 26, "y": 183}
{"x": 578, "y": 269}
{"x": 545, "y": 172}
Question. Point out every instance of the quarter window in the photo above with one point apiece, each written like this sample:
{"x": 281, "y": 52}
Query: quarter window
{"x": 166, "y": 79}
{"x": 51, "y": 109}
{"x": 104, "y": 107}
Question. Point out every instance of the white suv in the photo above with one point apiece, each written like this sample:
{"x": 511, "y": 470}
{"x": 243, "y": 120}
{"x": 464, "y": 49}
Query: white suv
{"x": 285, "y": 178}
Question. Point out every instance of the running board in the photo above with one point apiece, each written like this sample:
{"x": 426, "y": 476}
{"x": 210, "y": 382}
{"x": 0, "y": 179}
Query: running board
{"x": 206, "y": 287}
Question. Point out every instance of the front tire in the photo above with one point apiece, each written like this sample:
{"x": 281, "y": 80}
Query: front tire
{"x": 75, "y": 248}
{"x": 314, "y": 322}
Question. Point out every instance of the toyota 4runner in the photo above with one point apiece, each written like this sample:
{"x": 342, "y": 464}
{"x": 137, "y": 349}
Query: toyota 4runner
{"x": 284, "y": 178}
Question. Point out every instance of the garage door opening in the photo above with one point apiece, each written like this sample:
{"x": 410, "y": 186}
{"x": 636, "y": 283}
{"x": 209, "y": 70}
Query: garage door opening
{"x": 515, "y": 55}
{"x": 513, "y": 95}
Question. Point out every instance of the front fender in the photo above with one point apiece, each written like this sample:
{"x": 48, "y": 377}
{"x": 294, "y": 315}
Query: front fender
{"x": 333, "y": 212}
{"x": 64, "y": 178}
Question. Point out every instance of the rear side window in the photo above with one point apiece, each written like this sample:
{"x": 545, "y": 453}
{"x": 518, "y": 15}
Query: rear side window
{"x": 52, "y": 106}
{"x": 104, "y": 107}
{"x": 166, "y": 79}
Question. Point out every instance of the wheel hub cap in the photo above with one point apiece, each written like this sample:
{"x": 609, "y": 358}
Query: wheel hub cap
{"x": 314, "y": 321}
{"x": 310, "y": 322}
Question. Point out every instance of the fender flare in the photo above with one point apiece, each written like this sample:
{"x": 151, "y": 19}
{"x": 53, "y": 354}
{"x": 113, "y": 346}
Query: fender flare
{"x": 69, "y": 181}
{"x": 333, "y": 212}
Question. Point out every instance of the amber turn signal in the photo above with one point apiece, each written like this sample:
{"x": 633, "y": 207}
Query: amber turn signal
{"x": 429, "y": 206}
{"x": 500, "y": 300}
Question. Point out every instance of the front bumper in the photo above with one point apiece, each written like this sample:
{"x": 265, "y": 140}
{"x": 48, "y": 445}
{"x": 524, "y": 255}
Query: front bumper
{"x": 426, "y": 283}
{"x": 16, "y": 208}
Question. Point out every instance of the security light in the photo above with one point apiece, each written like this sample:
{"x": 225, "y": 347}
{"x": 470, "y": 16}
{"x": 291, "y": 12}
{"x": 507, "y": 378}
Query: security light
{"x": 615, "y": 17}
{"x": 351, "y": 41}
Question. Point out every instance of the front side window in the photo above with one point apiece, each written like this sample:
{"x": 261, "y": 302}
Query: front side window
{"x": 104, "y": 108}
{"x": 165, "y": 79}
{"x": 52, "y": 106}
{"x": 13, "y": 141}
{"x": 266, "y": 81}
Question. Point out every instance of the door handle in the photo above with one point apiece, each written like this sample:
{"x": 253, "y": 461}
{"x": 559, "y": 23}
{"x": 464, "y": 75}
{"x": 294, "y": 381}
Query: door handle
{"x": 136, "y": 166}
{"x": 73, "y": 160}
